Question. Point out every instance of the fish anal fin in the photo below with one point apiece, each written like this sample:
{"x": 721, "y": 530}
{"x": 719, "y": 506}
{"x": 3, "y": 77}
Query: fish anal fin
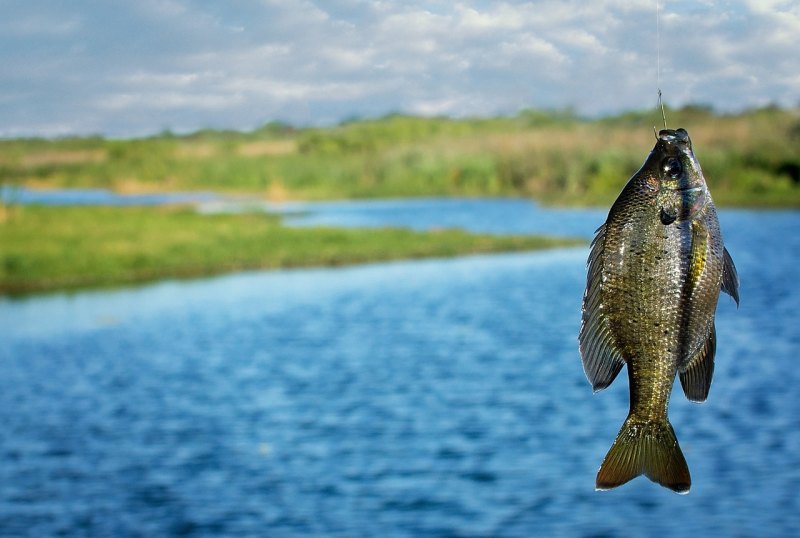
{"x": 696, "y": 374}
{"x": 645, "y": 448}
{"x": 730, "y": 277}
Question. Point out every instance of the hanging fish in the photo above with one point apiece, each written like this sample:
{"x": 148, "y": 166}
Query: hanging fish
{"x": 655, "y": 271}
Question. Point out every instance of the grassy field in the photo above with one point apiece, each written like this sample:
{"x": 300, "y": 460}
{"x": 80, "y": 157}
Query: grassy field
{"x": 749, "y": 159}
{"x": 45, "y": 248}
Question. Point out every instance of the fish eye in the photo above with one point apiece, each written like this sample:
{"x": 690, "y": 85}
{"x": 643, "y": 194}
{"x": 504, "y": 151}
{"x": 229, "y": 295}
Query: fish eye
{"x": 673, "y": 167}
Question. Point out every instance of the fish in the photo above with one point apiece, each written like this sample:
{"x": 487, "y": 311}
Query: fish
{"x": 655, "y": 271}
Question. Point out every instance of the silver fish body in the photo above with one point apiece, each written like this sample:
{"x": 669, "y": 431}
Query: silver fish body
{"x": 655, "y": 271}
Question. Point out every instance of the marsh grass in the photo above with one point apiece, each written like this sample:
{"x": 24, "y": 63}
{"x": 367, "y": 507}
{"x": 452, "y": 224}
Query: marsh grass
{"x": 750, "y": 159}
{"x": 47, "y": 248}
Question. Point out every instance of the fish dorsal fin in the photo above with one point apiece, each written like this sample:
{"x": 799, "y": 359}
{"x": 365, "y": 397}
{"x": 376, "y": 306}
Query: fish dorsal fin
{"x": 730, "y": 277}
{"x": 601, "y": 361}
{"x": 697, "y": 372}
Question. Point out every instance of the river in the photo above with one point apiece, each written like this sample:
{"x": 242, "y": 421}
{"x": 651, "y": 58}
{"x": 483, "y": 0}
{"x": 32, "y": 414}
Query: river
{"x": 424, "y": 398}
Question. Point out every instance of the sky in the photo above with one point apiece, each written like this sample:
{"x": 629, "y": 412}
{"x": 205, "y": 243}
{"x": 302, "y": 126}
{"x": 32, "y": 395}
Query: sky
{"x": 127, "y": 69}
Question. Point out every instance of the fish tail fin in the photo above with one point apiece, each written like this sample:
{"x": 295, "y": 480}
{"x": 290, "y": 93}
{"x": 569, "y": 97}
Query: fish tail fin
{"x": 648, "y": 448}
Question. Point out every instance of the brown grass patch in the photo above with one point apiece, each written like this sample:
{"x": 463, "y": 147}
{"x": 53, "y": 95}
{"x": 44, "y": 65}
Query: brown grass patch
{"x": 63, "y": 157}
{"x": 268, "y": 147}
{"x": 196, "y": 150}
{"x": 130, "y": 185}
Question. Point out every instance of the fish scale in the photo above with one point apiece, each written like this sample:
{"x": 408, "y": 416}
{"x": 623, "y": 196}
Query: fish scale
{"x": 655, "y": 271}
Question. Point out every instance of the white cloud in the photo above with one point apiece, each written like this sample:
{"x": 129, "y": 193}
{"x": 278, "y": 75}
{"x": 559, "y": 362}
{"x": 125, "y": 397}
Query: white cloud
{"x": 435, "y": 107}
{"x": 168, "y": 100}
{"x": 503, "y": 18}
{"x": 534, "y": 47}
{"x": 162, "y": 79}
{"x": 187, "y": 64}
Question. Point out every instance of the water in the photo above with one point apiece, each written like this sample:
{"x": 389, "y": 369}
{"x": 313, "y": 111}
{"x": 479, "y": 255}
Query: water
{"x": 499, "y": 216}
{"x": 426, "y": 398}
{"x": 60, "y": 197}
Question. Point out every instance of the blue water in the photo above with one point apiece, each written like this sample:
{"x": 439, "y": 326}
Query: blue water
{"x": 62, "y": 197}
{"x": 500, "y": 216}
{"x": 426, "y": 398}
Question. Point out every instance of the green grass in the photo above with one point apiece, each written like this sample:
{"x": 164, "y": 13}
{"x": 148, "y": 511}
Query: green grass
{"x": 749, "y": 159}
{"x": 46, "y": 248}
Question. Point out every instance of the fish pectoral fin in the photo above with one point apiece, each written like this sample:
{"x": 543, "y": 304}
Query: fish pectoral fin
{"x": 730, "y": 277}
{"x": 648, "y": 448}
{"x": 696, "y": 374}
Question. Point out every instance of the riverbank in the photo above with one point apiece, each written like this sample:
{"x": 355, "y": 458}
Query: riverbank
{"x": 47, "y": 248}
{"x": 750, "y": 159}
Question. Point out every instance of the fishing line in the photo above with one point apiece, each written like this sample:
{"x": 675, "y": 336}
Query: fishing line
{"x": 658, "y": 66}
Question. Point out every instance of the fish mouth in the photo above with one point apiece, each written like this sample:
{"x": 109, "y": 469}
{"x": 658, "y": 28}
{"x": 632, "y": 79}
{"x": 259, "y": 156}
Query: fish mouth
{"x": 673, "y": 136}
{"x": 674, "y": 142}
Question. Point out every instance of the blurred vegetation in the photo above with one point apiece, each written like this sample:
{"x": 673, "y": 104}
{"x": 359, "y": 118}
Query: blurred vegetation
{"x": 557, "y": 157}
{"x": 749, "y": 159}
{"x": 95, "y": 246}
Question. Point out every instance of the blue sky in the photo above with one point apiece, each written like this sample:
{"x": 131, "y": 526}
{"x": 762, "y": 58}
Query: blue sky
{"x": 137, "y": 68}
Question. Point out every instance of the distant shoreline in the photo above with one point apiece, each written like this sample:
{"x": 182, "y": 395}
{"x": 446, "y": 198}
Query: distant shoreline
{"x": 67, "y": 248}
{"x": 198, "y": 197}
{"x": 749, "y": 159}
